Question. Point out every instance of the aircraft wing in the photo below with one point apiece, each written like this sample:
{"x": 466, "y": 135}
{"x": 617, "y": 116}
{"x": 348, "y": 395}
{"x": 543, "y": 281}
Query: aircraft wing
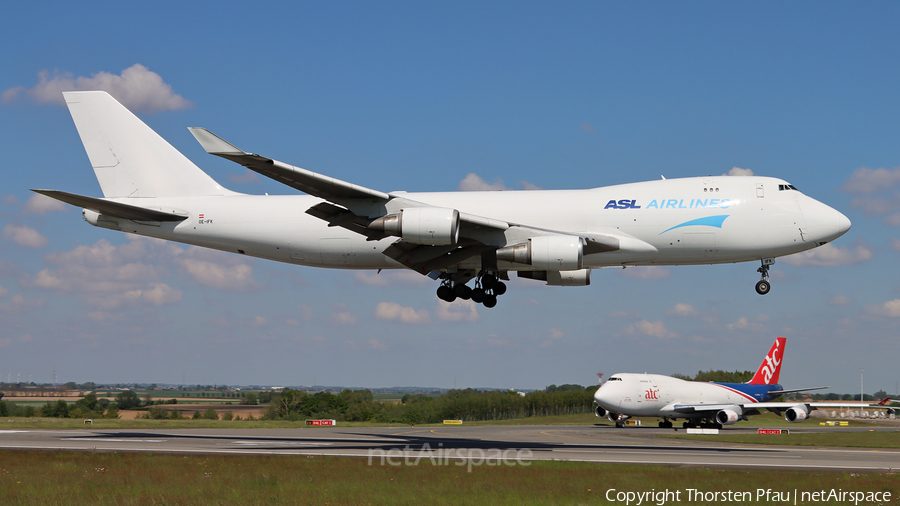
{"x": 114, "y": 209}
{"x": 775, "y": 406}
{"x": 318, "y": 185}
{"x": 351, "y": 206}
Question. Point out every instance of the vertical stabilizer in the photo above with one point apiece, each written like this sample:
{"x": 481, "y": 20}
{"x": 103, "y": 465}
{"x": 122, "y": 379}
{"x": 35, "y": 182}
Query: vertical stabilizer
{"x": 129, "y": 158}
{"x": 770, "y": 368}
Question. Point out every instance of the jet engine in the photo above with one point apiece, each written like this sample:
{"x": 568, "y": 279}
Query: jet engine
{"x": 435, "y": 226}
{"x": 727, "y": 417}
{"x": 616, "y": 417}
{"x": 796, "y": 413}
{"x": 600, "y": 411}
{"x": 546, "y": 252}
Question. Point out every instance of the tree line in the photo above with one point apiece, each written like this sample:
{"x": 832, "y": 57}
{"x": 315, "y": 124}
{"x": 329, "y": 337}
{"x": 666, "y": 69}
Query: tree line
{"x": 467, "y": 405}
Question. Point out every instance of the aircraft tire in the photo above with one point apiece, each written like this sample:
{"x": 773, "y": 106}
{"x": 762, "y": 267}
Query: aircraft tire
{"x": 462, "y": 291}
{"x": 763, "y": 287}
{"x": 499, "y": 288}
{"x": 490, "y": 300}
{"x": 445, "y": 293}
{"x": 478, "y": 295}
{"x": 488, "y": 281}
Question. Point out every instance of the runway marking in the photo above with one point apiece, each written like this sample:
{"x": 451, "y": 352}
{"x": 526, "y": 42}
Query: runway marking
{"x": 114, "y": 440}
{"x": 277, "y": 443}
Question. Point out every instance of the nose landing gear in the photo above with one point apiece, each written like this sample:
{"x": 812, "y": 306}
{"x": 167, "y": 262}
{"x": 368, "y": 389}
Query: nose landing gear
{"x": 763, "y": 286}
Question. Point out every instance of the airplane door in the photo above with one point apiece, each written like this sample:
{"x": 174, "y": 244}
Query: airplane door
{"x": 759, "y": 190}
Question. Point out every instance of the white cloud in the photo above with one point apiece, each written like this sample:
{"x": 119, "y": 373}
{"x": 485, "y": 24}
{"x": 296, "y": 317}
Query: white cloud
{"x": 744, "y": 323}
{"x": 375, "y": 344}
{"x": 553, "y": 336}
{"x": 110, "y": 277}
{"x": 474, "y": 182}
{"x": 656, "y": 329}
{"x": 25, "y": 236}
{"x": 391, "y": 311}
{"x": 683, "y": 309}
{"x": 137, "y": 88}
{"x": 248, "y": 176}
{"x": 648, "y": 272}
{"x": 457, "y": 311}
{"x": 343, "y": 318}
{"x": 866, "y": 180}
{"x": 42, "y": 204}
{"x": 218, "y": 275}
{"x": 840, "y": 300}
{"x": 737, "y": 171}
{"x": 830, "y": 256}
{"x": 392, "y": 277}
{"x": 890, "y": 308}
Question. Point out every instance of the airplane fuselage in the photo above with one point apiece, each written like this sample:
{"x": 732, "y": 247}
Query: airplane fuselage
{"x": 634, "y": 394}
{"x": 702, "y": 220}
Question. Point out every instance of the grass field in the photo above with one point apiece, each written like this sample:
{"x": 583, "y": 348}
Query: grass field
{"x": 50, "y": 478}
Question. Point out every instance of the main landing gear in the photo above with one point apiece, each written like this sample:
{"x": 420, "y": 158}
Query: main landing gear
{"x": 487, "y": 289}
{"x": 764, "y": 286}
{"x": 665, "y": 423}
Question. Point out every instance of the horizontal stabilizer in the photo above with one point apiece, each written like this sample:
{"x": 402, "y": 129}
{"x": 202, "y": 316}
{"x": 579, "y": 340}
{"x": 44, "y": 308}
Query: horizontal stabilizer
{"x": 114, "y": 209}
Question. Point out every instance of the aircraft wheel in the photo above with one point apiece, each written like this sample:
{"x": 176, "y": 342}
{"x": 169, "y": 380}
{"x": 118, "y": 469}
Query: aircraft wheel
{"x": 488, "y": 281}
{"x": 662, "y": 425}
{"x": 763, "y": 287}
{"x": 490, "y": 300}
{"x": 620, "y": 424}
{"x": 445, "y": 293}
{"x": 688, "y": 425}
{"x": 499, "y": 288}
{"x": 478, "y": 295}
{"x": 462, "y": 291}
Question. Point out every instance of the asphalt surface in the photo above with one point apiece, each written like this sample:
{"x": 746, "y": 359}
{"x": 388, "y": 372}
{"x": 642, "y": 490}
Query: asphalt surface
{"x": 477, "y": 444}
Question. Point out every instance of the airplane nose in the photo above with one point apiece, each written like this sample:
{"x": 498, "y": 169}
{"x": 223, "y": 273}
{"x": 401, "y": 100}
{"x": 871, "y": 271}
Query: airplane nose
{"x": 825, "y": 223}
{"x": 843, "y": 223}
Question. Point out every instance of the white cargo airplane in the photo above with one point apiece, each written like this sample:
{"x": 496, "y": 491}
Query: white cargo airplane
{"x": 625, "y": 395}
{"x": 556, "y": 236}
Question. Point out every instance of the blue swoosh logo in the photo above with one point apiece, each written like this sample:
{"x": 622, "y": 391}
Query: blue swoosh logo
{"x": 708, "y": 221}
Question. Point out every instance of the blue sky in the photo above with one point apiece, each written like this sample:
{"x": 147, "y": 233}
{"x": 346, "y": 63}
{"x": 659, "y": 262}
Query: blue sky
{"x": 429, "y": 97}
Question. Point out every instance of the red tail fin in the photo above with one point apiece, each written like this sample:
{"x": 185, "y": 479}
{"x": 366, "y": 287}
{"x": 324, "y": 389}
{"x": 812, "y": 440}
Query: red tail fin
{"x": 771, "y": 365}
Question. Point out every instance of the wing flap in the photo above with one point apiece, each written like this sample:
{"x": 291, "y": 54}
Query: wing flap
{"x": 114, "y": 209}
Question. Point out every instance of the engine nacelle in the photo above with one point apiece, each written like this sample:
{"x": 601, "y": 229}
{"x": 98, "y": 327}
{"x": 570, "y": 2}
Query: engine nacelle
{"x": 581, "y": 277}
{"x": 546, "y": 252}
{"x": 98, "y": 220}
{"x": 727, "y": 417}
{"x": 600, "y": 411}
{"x": 797, "y": 413}
{"x": 616, "y": 417}
{"x": 435, "y": 226}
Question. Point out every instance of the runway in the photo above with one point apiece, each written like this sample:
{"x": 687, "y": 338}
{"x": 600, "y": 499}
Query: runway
{"x": 455, "y": 443}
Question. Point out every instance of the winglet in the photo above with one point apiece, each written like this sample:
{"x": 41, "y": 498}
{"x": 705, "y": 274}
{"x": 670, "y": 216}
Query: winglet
{"x": 770, "y": 369}
{"x": 213, "y": 144}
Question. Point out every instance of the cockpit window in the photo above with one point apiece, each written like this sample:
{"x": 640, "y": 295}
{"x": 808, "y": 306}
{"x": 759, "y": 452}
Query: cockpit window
{"x": 614, "y": 379}
{"x": 783, "y": 187}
